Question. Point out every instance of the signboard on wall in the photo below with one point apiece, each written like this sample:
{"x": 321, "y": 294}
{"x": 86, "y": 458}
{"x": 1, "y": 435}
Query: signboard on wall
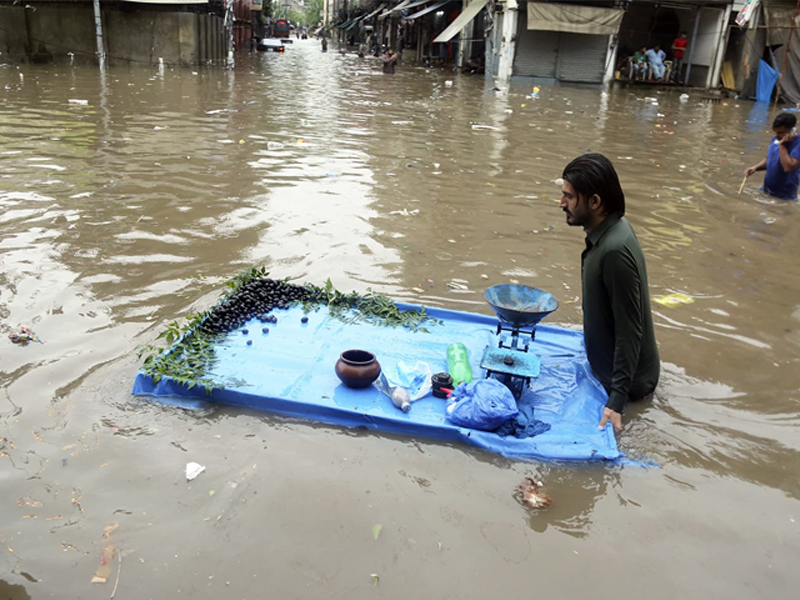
{"x": 747, "y": 11}
{"x": 256, "y": 4}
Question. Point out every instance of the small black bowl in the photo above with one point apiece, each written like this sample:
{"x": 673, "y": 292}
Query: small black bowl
{"x": 439, "y": 381}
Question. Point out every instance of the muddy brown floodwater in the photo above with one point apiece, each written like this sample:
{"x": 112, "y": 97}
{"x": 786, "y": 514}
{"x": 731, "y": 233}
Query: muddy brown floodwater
{"x": 131, "y": 207}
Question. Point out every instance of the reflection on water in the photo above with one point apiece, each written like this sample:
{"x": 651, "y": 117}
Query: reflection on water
{"x": 132, "y": 208}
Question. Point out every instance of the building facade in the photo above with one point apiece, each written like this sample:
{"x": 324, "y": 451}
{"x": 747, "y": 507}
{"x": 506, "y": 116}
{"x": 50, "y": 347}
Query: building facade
{"x": 189, "y": 33}
{"x": 584, "y": 42}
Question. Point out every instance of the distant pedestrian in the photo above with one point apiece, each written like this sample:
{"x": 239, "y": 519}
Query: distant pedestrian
{"x": 656, "y": 56}
{"x": 678, "y": 49}
{"x": 639, "y": 64}
{"x": 389, "y": 62}
{"x": 782, "y": 161}
{"x": 324, "y": 44}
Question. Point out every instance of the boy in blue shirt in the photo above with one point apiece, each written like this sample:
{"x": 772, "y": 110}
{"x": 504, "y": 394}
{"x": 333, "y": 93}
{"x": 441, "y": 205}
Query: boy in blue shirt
{"x": 783, "y": 160}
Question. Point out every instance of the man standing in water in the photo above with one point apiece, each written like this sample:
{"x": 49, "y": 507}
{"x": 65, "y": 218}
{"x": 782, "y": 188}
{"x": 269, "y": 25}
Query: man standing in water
{"x": 617, "y": 323}
{"x": 783, "y": 160}
{"x": 389, "y": 62}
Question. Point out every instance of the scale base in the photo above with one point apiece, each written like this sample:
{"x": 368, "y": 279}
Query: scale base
{"x": 517, "y": 375}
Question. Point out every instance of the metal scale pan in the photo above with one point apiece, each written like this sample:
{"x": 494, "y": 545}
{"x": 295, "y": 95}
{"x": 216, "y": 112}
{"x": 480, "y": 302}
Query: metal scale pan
{"x": 519, "y": 308}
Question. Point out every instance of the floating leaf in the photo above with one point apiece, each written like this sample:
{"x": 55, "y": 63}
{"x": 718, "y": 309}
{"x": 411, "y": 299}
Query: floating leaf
{"x": 376, "y": 531}
{"x": 375, "y": 579}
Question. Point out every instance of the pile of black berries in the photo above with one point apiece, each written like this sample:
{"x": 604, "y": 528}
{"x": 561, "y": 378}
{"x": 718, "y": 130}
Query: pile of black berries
{"x": 255, "y": 298}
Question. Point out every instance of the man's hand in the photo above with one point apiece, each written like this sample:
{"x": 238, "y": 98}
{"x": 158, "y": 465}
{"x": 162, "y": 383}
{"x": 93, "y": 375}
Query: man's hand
{"x": 788, "y": 138}
{"x": 749, "y": 171}
{"x": 614, "y": 417}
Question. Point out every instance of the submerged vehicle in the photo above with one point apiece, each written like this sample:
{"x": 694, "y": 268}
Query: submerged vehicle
{"x": 270, "y": 45}
{"x": 282, "y": 31}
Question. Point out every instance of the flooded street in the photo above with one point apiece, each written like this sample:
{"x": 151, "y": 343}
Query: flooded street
{"x": 128, "y": 200}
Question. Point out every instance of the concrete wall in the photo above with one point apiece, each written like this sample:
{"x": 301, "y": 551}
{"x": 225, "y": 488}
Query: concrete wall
{"x": 707, "y": 36}
{"x": 13, "y": 32}
{"x": 63, "y": 32}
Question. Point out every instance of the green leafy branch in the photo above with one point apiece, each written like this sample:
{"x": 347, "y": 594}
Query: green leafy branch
{"x": 190, "y": 357}
{"x": 189, "y": 360}
{"x": 371, "y": 308}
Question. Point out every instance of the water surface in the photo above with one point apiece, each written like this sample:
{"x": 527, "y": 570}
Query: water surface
{"x": 130, "y": 209}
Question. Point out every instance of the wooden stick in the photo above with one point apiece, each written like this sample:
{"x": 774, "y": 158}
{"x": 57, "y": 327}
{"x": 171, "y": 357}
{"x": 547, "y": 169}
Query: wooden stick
{"x": 119, "y": 570}
{"x": 741, "y": 187}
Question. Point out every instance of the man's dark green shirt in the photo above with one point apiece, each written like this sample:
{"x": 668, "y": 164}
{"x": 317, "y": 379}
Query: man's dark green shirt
{"x": 617, "y": 323}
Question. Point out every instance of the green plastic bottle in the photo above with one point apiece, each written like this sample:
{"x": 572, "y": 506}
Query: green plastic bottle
{"x": 458, "y": 363}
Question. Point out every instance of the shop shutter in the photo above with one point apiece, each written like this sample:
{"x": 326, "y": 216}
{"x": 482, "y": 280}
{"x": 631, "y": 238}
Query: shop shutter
{"x": 537, "y": 52}
{"x": 581, "y": 57}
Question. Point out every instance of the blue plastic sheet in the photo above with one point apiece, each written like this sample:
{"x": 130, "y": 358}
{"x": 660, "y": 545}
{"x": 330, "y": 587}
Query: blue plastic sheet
{"x": 290, "y": 372}
{"x": 765, "y": 83}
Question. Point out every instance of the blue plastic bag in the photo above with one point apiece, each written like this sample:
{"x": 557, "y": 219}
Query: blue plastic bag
{"x": 484, "y": 404}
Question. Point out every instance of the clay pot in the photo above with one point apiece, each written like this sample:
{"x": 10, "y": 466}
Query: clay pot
{"x": 357, "y": 368}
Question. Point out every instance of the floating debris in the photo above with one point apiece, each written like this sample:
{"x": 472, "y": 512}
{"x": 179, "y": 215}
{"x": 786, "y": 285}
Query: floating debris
{"x": 193, "y": 469}
{"x": 23, "y": 335}
{"x": 405, "y": 212}
{"x": 672, "y": 300}
{"x": 530, "y": 492}
{"x": 104, "y": 570}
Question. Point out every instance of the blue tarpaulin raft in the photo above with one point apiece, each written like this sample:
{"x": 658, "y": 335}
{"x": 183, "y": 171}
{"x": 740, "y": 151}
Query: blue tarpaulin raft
{"x": 290, "y": 371}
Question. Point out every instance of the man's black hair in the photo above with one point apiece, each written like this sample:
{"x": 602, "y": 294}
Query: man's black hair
{"x": 784, "y": 119}
{"x": 592, "y": 174}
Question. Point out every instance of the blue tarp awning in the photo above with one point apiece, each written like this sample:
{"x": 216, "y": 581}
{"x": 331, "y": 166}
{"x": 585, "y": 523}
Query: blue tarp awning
{"x": 767, "y": 77}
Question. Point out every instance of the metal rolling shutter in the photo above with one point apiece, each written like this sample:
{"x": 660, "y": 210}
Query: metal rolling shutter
{"x": 537, "y": 52}
{"x": 581, "y": 57}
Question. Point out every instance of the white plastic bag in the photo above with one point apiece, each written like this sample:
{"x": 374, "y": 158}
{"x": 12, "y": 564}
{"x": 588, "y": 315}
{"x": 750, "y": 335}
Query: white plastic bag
{"x": 415, "y": 379}
{"x": 193, "y": 469}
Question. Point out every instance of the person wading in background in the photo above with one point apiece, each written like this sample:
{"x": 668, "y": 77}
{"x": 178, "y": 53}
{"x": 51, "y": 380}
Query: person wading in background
{"x": 783, "y": 160}
{"x": 617, "y": 322}
{"x": 389, "y": 62}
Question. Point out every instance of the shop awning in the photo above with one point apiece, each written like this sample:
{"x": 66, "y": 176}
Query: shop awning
{"x": 461, "y": 21}
{"x": 426, "y": 10}
{"x": 573, "y": 18}
{"x": 410, "y": 4}
{"x": 397, "y": 8}
{"x": 375, "y": 12}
